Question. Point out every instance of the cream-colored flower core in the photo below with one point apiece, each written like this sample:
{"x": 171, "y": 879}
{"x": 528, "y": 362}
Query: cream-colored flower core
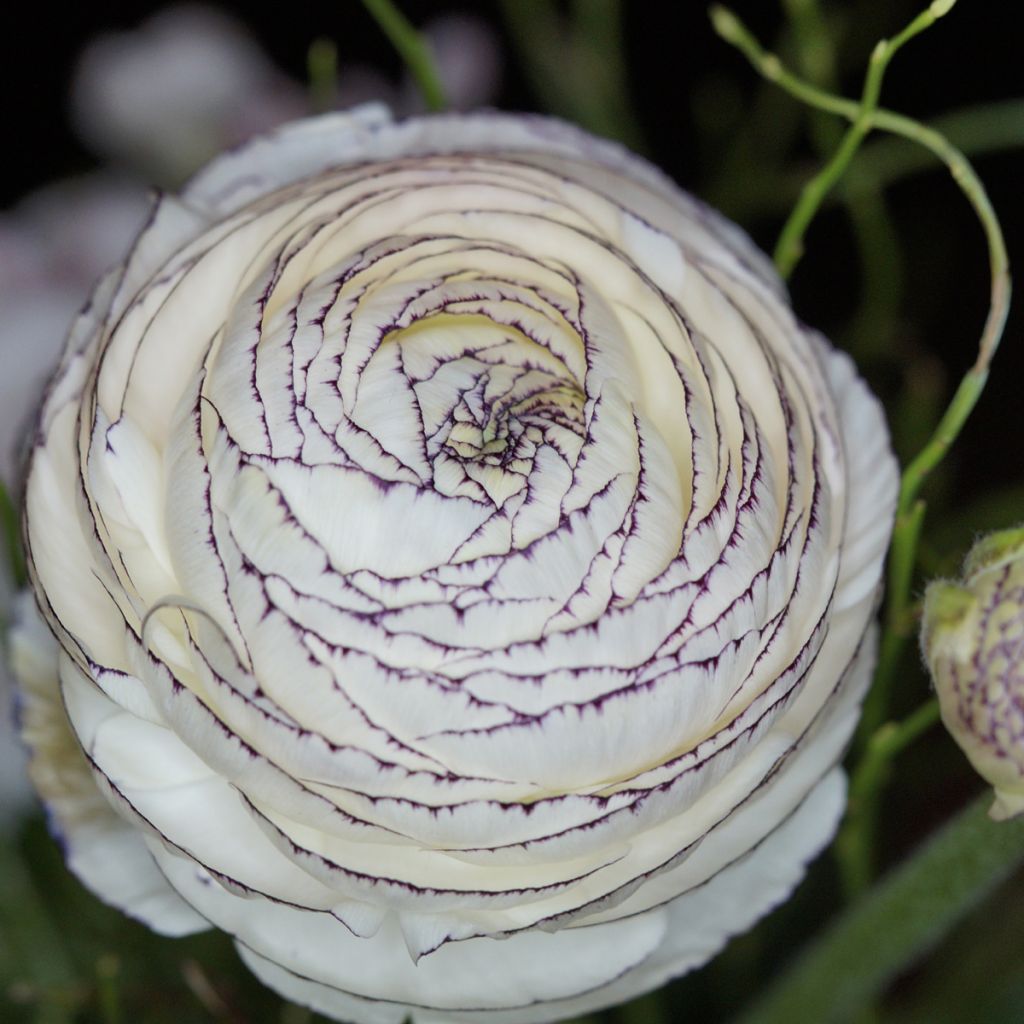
{"x": 461, "y": 562}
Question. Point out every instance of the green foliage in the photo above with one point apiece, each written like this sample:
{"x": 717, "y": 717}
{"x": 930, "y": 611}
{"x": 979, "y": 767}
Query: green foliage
{"x": 67, "y": 959}
{"x": 905, "y": 915}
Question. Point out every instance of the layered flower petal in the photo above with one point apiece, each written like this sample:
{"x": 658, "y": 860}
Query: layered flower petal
{"x": 462, "y": 562}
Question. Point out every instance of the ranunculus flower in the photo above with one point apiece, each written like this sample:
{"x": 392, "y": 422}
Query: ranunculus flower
{"x": 973, "y": 640}
{"x": 461, "y": 562}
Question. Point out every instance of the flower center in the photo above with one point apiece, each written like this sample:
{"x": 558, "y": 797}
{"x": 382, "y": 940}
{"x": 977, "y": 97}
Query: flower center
{"x": 489, "y": 398}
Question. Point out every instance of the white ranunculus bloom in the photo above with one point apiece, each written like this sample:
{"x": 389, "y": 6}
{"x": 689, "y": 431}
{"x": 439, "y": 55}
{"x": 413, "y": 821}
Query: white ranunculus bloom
{"x": 461, "y": 563}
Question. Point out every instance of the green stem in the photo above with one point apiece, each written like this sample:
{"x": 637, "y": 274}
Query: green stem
{"x": 906, "y": 533}
{"x": 907, "y": 530}
{"x": 855, "y": 844}
{"x": 790, "y": 245}
{"x": 898, "y": 627}
{"x": 730, "y": 28}
{"x": 885, "y": 160}
{"x": 872, "y": 331}
{"x": 412, "y": 48}
{"x": 895, "y": 923}
{"x": 975, "y": 130}
{"x": 789, "y": 248}
{"x": 965, "y": 399}
{"x": 576, "y": 63}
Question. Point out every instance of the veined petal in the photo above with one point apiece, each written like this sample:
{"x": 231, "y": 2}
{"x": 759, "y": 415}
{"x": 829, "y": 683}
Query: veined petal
{"x": 462, "y": 562}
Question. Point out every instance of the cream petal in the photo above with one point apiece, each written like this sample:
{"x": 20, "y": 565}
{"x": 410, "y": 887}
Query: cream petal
{"x": 462, "y": 561}
{"x": 456, "y": 975}
{"x": 102, "y": 849}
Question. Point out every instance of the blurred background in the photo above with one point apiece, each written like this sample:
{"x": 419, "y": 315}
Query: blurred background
{"x": 105, "y": 101}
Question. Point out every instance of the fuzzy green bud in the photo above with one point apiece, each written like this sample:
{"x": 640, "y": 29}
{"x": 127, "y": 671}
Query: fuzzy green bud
{"x": 973, "y": 641}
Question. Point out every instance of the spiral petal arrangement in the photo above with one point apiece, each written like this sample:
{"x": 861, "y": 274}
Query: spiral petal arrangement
{"x": 461, "y": 563}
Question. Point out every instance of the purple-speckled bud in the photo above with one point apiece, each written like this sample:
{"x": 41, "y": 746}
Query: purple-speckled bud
{"x": 973, "y": 641}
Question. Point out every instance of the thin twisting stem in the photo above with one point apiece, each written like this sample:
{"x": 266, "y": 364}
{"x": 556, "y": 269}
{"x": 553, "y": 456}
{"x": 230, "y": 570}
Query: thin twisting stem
{"x": 907, "y": 528}
{"x": 864, "y": 116}
{"x": 874, "y": 324}
{"x": 790, "y": 245}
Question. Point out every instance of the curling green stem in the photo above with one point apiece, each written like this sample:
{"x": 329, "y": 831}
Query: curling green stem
{"x": 862, "y": 191}
{"x": 898, "y": 627}
{"x": 884, "y": 160}
{"x": 976, "y": 130}
{"x": 907, "y": 529}
{"x": 412, "y": 48}
{"x": 732, "y": 30}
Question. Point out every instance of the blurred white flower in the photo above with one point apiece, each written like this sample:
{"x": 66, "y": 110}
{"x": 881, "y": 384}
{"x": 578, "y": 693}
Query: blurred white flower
{"x": 54, "y": 245}
{"x": 191, "y": 81}
{"x": 167, "y": 96}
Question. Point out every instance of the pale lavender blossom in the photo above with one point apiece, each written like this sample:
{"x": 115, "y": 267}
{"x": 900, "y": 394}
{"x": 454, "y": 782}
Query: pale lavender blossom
{"x": 168, "y": 95}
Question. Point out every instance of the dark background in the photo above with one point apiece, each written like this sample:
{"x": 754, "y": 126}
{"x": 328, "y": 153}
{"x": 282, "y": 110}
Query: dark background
{"x": 681, "y": 77}
{"x": 692, "y": 95}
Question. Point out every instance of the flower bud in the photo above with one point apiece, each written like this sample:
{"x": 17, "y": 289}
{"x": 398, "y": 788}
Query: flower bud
{"x": 973, "y": 641}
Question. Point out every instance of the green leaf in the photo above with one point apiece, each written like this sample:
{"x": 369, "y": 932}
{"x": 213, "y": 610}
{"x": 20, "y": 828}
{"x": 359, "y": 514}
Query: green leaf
{"x": 35, "y": 955}
{"x": 576, "y": 63}
{"x": 896, "y": 923}
{"x": 413, "y": 48}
